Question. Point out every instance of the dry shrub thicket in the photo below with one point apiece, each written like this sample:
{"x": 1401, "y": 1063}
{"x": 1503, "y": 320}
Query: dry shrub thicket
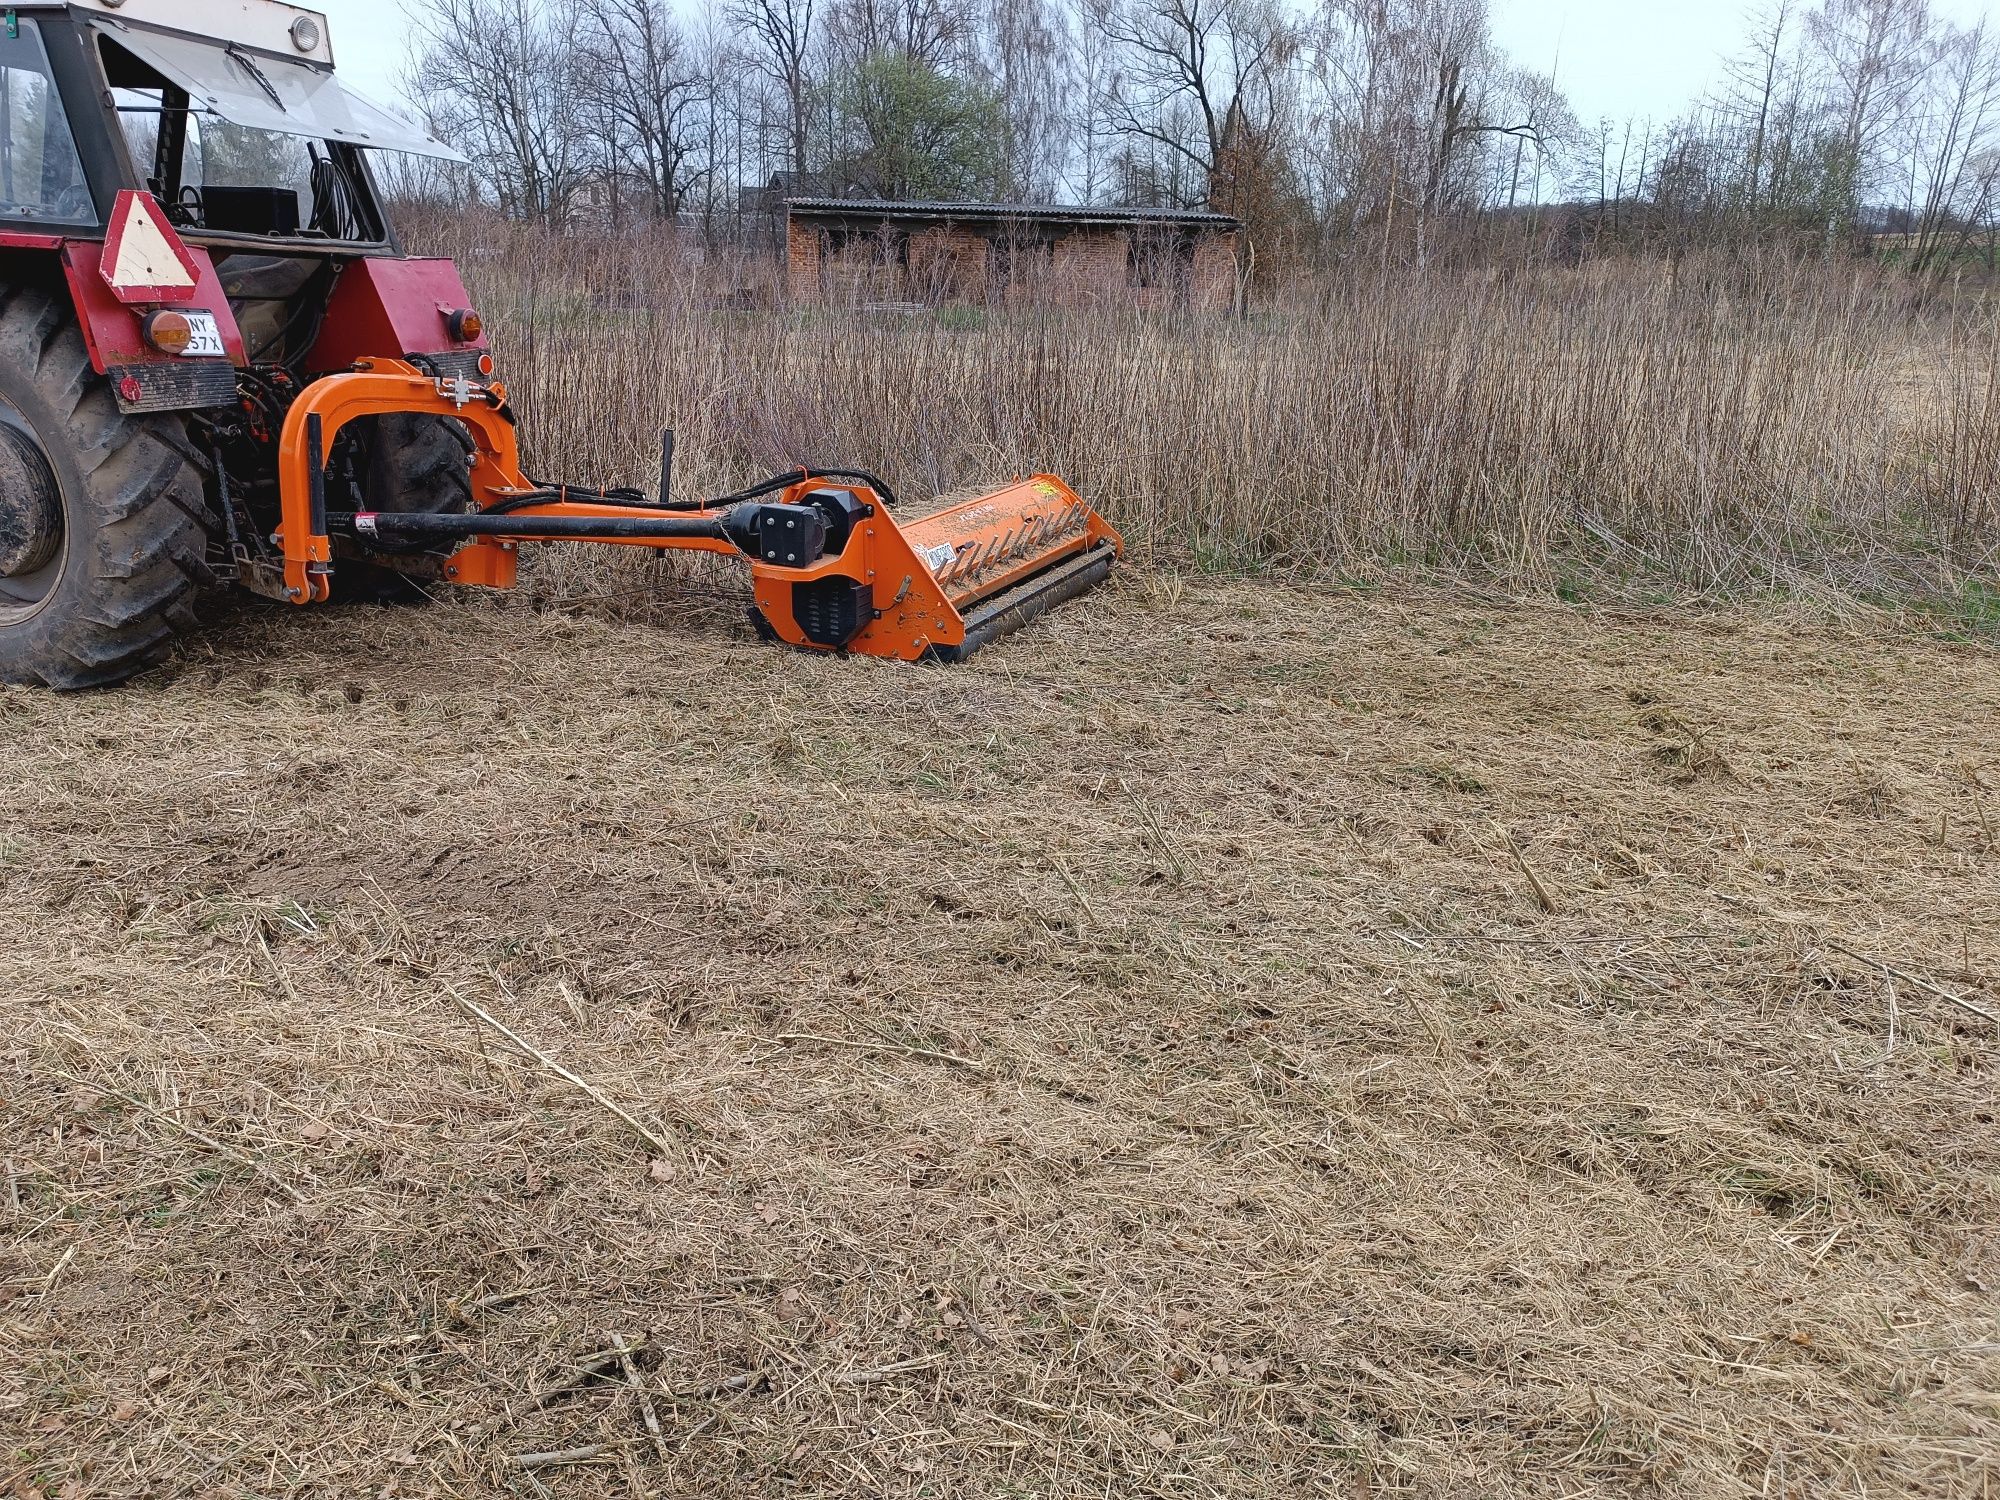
{"x": 1720, "y": 424}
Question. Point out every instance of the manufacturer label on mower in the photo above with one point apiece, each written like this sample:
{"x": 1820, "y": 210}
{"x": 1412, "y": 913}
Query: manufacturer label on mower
{"x": 936, "y": 557}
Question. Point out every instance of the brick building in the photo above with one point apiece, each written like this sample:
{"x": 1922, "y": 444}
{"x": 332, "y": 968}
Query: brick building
{"x": 992, "y": 254}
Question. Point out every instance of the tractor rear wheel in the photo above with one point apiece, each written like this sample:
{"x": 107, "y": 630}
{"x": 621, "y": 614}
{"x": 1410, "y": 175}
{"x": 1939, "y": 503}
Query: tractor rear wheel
{"x": 409, "y": 461}
{"x": 103, "y": 520}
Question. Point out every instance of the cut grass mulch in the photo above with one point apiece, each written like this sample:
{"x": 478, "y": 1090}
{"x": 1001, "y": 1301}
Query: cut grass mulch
{"x": 1228, "y": 1039}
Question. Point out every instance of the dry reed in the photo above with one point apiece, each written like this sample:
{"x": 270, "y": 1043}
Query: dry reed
{"x": 1757, "y": 423}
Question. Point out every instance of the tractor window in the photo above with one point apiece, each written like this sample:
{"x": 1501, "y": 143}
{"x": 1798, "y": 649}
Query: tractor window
{"x": 41, "y": 176}
{"x": 240, "y": 179}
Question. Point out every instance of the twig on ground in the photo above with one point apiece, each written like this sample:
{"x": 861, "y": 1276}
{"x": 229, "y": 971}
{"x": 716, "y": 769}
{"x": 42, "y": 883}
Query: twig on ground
{"x": 564, "y": 1456}
{"x": 589, "y": 1367}
{"x": 1970, "y": 1007}
{"x": 1543, "y": 899}
{"x": 748, "y": 1380}
{"x": 200, "y": 1138}
{"x": 1437, "y": 1037}
{"x": 892, "y": 1047}
{"x": 645, "y": 1397}
{"x": 885, "y": 1372}
{"x": 645, "y": 1132}
{"x": 284, "y": 979}
{"x": 1074, "y": 889}
{"x": 488, "y": 1303}
{"x": 49, "y": 1281}
{"x": 1160, "y": 839}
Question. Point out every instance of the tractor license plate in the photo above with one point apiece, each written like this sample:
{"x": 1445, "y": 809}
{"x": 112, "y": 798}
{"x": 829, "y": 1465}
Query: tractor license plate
{"x": 205, "y": 335}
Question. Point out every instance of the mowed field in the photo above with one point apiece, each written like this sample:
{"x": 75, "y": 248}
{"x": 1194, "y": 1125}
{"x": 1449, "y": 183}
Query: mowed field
{"x": 1229, "y": 1039}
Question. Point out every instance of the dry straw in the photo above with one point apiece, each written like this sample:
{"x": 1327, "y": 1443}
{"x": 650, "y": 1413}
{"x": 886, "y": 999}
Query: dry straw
{"x": 1130, "y": 1065}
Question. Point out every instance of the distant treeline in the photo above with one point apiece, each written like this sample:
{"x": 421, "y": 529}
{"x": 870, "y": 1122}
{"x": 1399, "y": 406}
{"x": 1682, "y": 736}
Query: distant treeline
{"x": 1395, "y": 128}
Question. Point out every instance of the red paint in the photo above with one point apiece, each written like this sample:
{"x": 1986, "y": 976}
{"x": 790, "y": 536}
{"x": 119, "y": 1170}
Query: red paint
{"x": 387, "y": 309}
{"x": 14, "y": 239}
{"x": 131, "y": 207}
{"x": 111, "y": 330}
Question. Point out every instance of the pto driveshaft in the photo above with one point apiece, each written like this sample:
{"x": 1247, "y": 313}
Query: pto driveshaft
{"x": 783, "y": 535}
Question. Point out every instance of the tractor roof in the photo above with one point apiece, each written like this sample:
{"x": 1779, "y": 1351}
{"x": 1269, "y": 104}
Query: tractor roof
{"x": 261, "y": 64}
{"x": 267, "y": 25}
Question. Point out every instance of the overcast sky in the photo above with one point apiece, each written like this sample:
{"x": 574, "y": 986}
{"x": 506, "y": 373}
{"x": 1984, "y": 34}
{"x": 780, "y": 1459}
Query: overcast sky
{"x": 1646, "y": 58}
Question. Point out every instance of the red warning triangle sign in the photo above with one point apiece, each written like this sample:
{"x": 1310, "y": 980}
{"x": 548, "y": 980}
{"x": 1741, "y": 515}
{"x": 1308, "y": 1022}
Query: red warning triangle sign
{"x": 144, "y": 260}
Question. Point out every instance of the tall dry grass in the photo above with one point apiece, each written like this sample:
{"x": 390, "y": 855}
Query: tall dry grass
{"x": 1757, "y": 422}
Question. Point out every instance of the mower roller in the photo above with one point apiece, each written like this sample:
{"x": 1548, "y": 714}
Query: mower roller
{"x": 204, "y": 381}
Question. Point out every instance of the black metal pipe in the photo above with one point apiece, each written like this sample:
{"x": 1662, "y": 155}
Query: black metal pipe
{"x": 412, "y": 525}
{"x": 315, "y": 474}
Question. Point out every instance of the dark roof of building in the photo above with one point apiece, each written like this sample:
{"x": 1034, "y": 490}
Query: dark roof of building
{"x": 1057, "y": 213}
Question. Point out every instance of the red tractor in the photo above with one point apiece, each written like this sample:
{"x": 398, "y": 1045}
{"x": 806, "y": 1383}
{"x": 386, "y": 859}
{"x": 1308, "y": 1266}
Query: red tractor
{"x": 217, "y": 366}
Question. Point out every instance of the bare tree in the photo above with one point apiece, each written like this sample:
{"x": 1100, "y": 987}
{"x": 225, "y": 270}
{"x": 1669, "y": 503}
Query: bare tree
{"x": 780, "y": 40}
{"x": 1422, "y": 117}
{"x": 1958, "y": 152}
{"x": 1202, "y": 76}
{"x": 642, "y": 71}
{"x": 1872, "y": 56}
{"x": 1752, "y": 89}
{"x": 938, "y": 34}
{"x": 501, "y": 78}
{"x": 1024, "y": 52}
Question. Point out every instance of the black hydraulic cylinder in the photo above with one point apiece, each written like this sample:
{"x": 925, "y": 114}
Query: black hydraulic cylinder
{"x": 315, "y": 474}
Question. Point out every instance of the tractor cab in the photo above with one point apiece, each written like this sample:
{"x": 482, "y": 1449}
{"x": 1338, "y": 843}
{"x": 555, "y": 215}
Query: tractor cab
{"x": 254, "y": 151}
{"x": 243, "y": 132}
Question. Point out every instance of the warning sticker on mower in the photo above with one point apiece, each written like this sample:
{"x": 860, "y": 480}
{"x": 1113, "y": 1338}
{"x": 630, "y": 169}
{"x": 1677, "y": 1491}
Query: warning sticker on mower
{"x": 936, "y": 557}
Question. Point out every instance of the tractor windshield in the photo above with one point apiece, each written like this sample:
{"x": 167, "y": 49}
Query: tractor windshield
{"x": 240, "y": 142}
{"x": 41, "y": 176}
{"x": 213, "y": 175}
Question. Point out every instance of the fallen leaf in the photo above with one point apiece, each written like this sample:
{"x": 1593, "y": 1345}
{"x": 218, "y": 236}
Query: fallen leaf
{"x": 1161, "y": 1439}
{"x": 313, "y": 1132}
{"x": 660, "y": 1169}
{"x": 158, "y": 1373}
{"x": 767, "y": 1213}
{"x": 124, "y": 1411}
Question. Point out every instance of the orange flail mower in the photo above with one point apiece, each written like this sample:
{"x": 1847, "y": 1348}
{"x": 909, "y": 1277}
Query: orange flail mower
{"x": 831, "y": 569}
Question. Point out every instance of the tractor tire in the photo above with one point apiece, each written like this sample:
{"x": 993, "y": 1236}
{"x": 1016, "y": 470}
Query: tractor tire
{"x": 104, "y": 523}
{"x": 409, "y": 462}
